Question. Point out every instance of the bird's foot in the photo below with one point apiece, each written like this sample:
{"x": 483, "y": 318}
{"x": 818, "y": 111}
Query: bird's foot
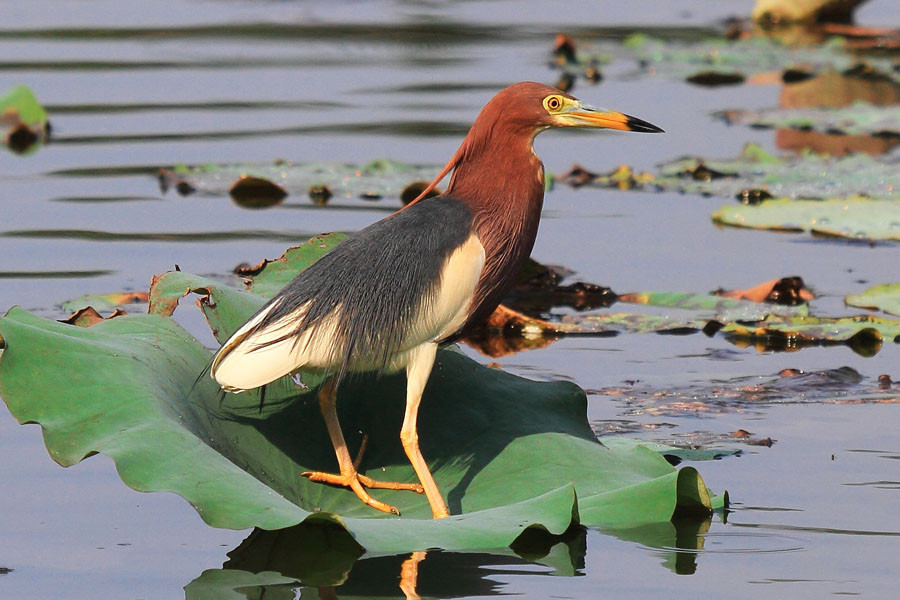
{"x": 358, "y": 483}
{"x": 344, "y": 480}
{"x": 351, "y": 478}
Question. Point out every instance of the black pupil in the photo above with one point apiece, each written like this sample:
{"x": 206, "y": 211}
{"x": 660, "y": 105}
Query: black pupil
{"x": 554, "y": 103}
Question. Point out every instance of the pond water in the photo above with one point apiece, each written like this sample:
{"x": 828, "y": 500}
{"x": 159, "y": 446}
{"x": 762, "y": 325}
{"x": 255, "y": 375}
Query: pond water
{"x": 132, "y": 87}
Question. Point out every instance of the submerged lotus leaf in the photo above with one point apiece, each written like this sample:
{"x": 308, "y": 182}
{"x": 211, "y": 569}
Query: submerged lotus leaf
{"x": 593, "y": 323}
{"x": 508, "y": 453}
{"x": 713, "y": 306}
{"x": 861, "y": 118}
{"x": 803, "y": 176}
{"x": 684, "y": 313}
{"x": 767, "y": 326}
{"x": 379, "y": 178}
{"x": 854, "y": 218}
{"x": 678, "y": 452}
{"x": 885, "y": 297}
{"x": 708, "y": 52}
{"x": 842, "y": 385}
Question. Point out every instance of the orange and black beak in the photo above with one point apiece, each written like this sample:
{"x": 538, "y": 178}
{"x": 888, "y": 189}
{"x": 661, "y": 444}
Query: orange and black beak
{"x": 582, "y": 115}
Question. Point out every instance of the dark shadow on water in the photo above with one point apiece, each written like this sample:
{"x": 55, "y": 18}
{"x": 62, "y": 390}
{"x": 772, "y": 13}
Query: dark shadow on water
{"x": 323, "y": 561}
{"x": 678, "y": 543}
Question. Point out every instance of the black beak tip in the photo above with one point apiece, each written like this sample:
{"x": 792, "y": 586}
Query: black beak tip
{"x": 635, "y": 124}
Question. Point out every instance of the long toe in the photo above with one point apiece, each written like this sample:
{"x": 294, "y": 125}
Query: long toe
{"x": 351, "y": 480}
{"x": 390, "y": 485}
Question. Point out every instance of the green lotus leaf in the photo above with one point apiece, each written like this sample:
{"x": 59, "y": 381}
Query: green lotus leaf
{"x": 21, "y": 103}
{"x": 854, "y": 218}
{"x": 885, "y": 297}
{"x": 267, "y": 278}
{"x": 508, "y": 453}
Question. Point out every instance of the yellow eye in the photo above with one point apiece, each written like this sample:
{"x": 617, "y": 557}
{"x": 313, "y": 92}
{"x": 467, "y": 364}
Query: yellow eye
{"x": 553, "y": 103}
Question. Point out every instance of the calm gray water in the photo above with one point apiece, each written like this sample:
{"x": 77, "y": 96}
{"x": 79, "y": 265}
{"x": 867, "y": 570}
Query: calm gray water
{"x": 133, "y": 86}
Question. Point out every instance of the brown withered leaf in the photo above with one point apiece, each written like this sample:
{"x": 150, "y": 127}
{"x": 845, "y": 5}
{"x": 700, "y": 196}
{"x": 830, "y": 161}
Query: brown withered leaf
{"x": 89, "y": 316}
{"x": 166, "y": 305}
{"x": 832, "y": 89}
{"x": 508, "y": 331}
{"x": 508, "y": 320}
{"x": 787, "y": 291}
{"x": 789, "y": 138}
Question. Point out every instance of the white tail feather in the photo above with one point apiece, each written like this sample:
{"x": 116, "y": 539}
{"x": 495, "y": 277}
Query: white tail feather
{"x": 249, "y": 361}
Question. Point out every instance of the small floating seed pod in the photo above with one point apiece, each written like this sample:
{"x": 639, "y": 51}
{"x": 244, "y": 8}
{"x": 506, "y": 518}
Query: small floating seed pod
{"x": 319, "y": 194}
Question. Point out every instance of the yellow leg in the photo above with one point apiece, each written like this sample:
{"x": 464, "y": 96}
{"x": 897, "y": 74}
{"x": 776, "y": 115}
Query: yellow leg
{"x": 417, "y": 371}
{"x": 349, "y": 477}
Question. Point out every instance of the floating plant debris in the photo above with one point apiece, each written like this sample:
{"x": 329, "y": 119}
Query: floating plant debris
{"x": 23, "y": 119}
{"x": 256, "y": 192}
{"x": 377, "y": 179}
